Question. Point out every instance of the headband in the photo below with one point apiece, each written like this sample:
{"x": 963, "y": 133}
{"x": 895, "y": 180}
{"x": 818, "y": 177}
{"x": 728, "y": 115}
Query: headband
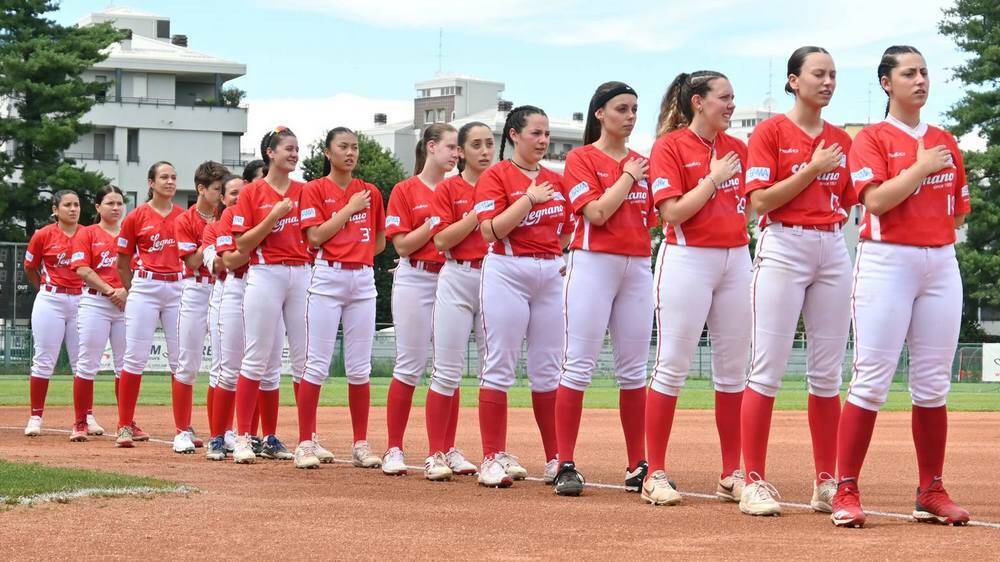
{"x": 604, "y": 98}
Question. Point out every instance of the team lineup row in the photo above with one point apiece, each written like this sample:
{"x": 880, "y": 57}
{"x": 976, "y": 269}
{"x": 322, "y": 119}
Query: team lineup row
{"x": 263, "y": 257}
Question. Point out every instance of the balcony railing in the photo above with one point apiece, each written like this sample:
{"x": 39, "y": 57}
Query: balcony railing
{"x": 99, "y": 156}
{"x": 239, "y": 163}
{"x": 108, "y": 98}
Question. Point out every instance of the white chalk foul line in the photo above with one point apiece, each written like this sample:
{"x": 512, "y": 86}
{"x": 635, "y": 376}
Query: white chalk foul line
{"x": 116, "y": 491}
{"x": 599, "y": 485}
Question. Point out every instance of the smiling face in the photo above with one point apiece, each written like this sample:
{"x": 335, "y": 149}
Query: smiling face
{"x": 817, "y": 80}
{"x": 67, "y": 209}
{"x": 164, "y": 182}
{"x": 342, "y": 152}
{"x": 716, "y": 107}
{"x": 532, "y": 143}
{"x": 285, "y": 156}
{"x": 111, "y": 207}
{"x": 478, "y": 149}
{"x": 908, "y": 84}
{"x": 231, "y": 191}
{"x": 444, "y": 152}
{"x": 618, "y": 116}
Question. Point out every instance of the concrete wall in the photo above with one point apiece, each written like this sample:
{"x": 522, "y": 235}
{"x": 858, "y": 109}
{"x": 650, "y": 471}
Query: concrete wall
{"x": 150, "y": 116}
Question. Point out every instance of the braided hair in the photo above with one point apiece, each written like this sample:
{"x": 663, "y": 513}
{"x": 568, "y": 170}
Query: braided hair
{"x": 675, "y": 109}
{"x": 517, "y": 119}
{"x": 890, "y": 60}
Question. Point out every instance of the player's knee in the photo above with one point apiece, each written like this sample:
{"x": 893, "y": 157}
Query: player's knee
{"x": 496, "y": 381}
{"x": 825, "y": 386}
{"x": 411, "y": 378}
{"x": 185, "y": 378}
{"x": 762, "y": 385}
{"x": 443, "y": 387}
{"x": 574, "y": 380}
{"x": 315, "y": 377}
{"x": 359, "y": 377}
{"x": 933, "y": 395}
{"x": 730, "y": 384}
{"x": 665, "y": 386}
{"x": 869, "y": 399}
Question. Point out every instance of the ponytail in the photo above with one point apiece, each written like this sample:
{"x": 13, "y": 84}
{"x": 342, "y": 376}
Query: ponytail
{"x": 890, "y": 60}
{"x": 463, "y": 135}
{"x": 433, "y": 133}
{"x": 675, "y": 108}
{"x": 517, "y": 119}
{"x": 151, "y": 175}
{"x": 604, "y": 93}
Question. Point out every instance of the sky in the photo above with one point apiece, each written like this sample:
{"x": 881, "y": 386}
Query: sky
{"x": 317, "y": 64}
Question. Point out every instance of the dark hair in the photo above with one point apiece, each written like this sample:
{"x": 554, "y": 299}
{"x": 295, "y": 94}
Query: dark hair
{"x": 57, "y": 198}
{"x": 152, "y": 175}
{"x": 272, "y": 139}
{"x": 517, "y": 119}
{"x": 250, "y": 171}
{"x": 209, "y": 172}
{"x": 105, "y": 191}
{"x": 890, "y": 60}
{"x": 797, "y": 59}
{"x": 225, "y": 181}
{"x": 330, "y": 135}
{"x": 675, "y": 109}
{"x": 432, "y": 133}
{"x": 463, "y": 135}
{"x": 604, "y": 93}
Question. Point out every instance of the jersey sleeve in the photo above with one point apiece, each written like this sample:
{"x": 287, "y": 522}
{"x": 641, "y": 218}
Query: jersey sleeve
{"x": 243, "y": 219}
{"x": 224, "y": 241}
{"x": 849, "y": 197}
{"x": 963, "y": 204}
{"x": 762, "y": 159}
{"x": 36, "y": 247}
{"x": 81, "y": 250}
{"x": 867, "y": 163}
{"x": 187, "y": 238}
{"x": 569, "y": 212}
{"x": 378, "y": 208}
{"x": 581, "y": 181}
{"x": 126, "y": 236}
{"x": 397, "y": 216}
{"x": 442, "y": 208}
{"x": 667, "y": 173}
{"x": 491, "y": 197}
{"x": 311, "y": 206}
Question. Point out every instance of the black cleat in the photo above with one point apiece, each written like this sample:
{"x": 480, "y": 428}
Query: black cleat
{"x": 256, "y": 445}
{"x": 274, "y": 449}
{"x": 635, "y": 478}
{"x": 568, "y": 481}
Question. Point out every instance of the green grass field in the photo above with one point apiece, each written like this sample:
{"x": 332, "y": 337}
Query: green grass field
{"x": 697, "y": 394}
{"x": 22, "y": 481}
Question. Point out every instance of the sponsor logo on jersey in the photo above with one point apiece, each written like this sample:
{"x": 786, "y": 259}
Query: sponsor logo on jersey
{"x": 359, "y": 217}
{"x": 843, "y": 160}
{"x": 760, "y": 173}
{"x": 898, "y": 154}
{"x": 434, "y": 221}
{"x": 108, "y": 259}
{"x": 391, "y": 220}
{"x": 788, "y": 150}
{"x": 223, "y": 241}
{"x": 965, "y": 191}
{"x": 421, "y": 206}
{"x": 187, "y": 246}
{"x": 158, "y": 244}
{"x": 146, "y": 228}
{"x": 637, "y": 195}
{"x": 536, "y": 216}
{"x": 864, "y": 174}
{"x": 28, "y": 256}
{"x": 643, "y": 183}
{"x": 603, "y": 174}
{"x": 309, "y": 213}
{"x": 937, "y": 179}
{"x": 237, "y": 220}
{"x": 484, "y": 206}
{"x": 660, "y": 183}
{"x": 122, "y": 243}
{"x": 76, "y": 256}
{"x": 281, "y": 224}
{"x": 558, "y": 196}
{"x": 694, "y": 164}
{"x": 578, "y": 190}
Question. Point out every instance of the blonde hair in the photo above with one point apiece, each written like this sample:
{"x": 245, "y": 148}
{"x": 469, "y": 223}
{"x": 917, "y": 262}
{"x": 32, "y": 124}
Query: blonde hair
{"x": 675, "y": 109}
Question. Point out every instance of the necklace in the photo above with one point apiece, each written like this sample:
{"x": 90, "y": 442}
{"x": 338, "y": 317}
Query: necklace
{"x": 523, "y": 168}
{"x": 205, "y": 216}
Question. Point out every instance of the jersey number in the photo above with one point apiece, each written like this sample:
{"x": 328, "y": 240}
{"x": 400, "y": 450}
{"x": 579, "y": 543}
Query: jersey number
{"x": 366, "y": 235}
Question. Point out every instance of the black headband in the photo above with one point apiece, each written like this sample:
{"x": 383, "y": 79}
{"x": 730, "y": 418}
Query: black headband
{"x": 606, "y": 96}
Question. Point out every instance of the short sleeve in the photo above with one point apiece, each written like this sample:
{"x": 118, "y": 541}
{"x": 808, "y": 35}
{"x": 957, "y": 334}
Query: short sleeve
{"x": 311, "y": 212}
{"x": 187, "y": 238}
{"x": 126, "y": 236}
{"x": 442, "y": 208}
{"x": 36, "y": 247}
{"x": 666, "y": 172}
{"x": 81, "y": 250}
{"x": 580, "y": 179}
{"x": 397, "y": 217}
{"x": 491, "y": 197}
{"x": 762, "y": 158}
{"x": 378, "y": 208}
{"x": 224, "y": 235}
{"x": 569, "y": 219}
{"x": 963, "y": 203}
{"x": 243, "y": 213}
{"x": 867, "y": 163}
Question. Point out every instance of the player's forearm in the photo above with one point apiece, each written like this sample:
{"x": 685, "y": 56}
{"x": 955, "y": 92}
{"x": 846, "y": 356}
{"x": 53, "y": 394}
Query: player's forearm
{"x": 318, "y": 235}
{"x": 454, "y": 233}
{"x": 125, "y": 270}
{"x": 504, "y": 223}
{"x": 770, "y": 198}
{"x": 680, "y": 209}
{"x": 33, "y": 277}
{"x": 235, "y": 260}
{"x": 194, "y": 260}
{"x": 412, "y": 241}
{"x": 600, "y": 210}
{"x": 249, "y": 240}
{"x": 884, "y": 197}
{"x": 93, "y": 280}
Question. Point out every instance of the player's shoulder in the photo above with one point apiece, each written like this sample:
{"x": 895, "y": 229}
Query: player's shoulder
{"x": 45, "y": 232}
{"x": 496, "y": 173}
{"x": 938, "y": 135}
{"x": 730, "y": 143}
{"x": 546, "y": 174}
{"x": 314, "y": 184}
{"x": 772, "y": 124}
{"x": 837, "y": 134}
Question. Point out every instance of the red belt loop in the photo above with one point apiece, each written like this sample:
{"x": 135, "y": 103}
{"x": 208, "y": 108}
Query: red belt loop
{"x": 61, "y": 290}
{"x": 239, "y": 274}
{"x": 539, "y": 256}
{"x": 343, "y": 264}
{"x": 204, "y": 279}
{"x": 168, "y": 277}
{"x": 832, "y": 227}
{"x": 474, "y": 264}
{"x": 428, "y": 266}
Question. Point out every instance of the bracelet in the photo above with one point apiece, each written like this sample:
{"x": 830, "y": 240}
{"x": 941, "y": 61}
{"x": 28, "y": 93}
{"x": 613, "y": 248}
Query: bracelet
{"x": 630, "y": 175}
{"x": 530, "y": 198}
{"x": 494, "y": 231}
{"x": 714, "y": 183}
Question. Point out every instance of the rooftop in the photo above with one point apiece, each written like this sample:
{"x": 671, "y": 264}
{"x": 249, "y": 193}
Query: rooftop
{"x": 146, "y": 53}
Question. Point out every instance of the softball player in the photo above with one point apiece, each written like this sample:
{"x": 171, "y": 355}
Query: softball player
{"x": 609, "y": 281}
{"x": 408, "y": 223}
{"x": 343, "y": 218}
{"x": 266, "y": 227}
{"x": 907, "y": 288}
{"x": 102, "y": 306}
{"x": 702, "y": 269}
{"x": 797, "y": 182}
{"x": 148, "y": 233}
{"x": 53, "y": 315}
{"x": 456, "y": 302}
{"x": 197, "y": 288}
{"x": 524, "y": 215}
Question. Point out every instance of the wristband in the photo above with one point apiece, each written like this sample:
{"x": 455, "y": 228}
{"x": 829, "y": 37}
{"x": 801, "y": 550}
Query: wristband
{"x": 494, "y": 231}
{"x": 714, "y": 183}
{"x": 530, "y": 198}
{"x": 630, "y": 175}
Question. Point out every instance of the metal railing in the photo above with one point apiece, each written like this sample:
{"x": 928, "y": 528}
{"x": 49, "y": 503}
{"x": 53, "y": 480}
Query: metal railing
{"x": 99, "y": 156}
{"x": 171, "y": 102}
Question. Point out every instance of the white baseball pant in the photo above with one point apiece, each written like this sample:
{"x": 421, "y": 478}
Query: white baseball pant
{"x": 215, "y": 336}
{"x": 53, "y": 321}
{"x": 695, "y": 285}
{"x": 273, "y": 292}
{"x": 340, "y": 294}
{"x": 601, "y": 291}
{"x": 799, "y": 270}
{"x": 456, "y": 315}
{"x": 521, "y": 297}
{"x": 904, "y": 293}
{"x": 192, "y": 326}
{"x": 233, "y": 343}
{"x": 99, "y": 320}
{"x": 150, "y": 301}
{"x": 413, "y": 292}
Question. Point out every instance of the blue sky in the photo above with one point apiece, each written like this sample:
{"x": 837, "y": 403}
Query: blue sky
{"x": 366, "y": 54}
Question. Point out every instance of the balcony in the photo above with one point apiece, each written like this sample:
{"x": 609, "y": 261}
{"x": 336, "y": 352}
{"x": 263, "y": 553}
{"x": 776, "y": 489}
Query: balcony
{"x": 166, "y": 114}
{"x": 98, "y": 156}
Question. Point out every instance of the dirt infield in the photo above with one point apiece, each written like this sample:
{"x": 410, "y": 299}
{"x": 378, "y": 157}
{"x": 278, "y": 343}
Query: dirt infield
{"x": 340, "y": 512}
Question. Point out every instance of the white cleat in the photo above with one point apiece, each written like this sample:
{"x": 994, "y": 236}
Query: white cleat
{"x": 493, "y": 475}
{"x": 243, "y": 453}
{"x": 324, "y": 456}
{"x": 305, "y": 455}
{"x": 229, "y": 441}
{"x": 458, "y": 463}
{"x": 551, "y": 469}
{"x": 511, "y": 466}
{"x": 730, "y": 488}
{"x": 93, "y": 428}
{"x": 658, "y": 491}
{"x": 823, "y": 493}
{"x": 759, "y": 497}
{"x": 34, "y": 427}
{"x": 393, "y": 462}
{"x": 436, "y": 468}
{"x": 362, "y": 456}
{"x": 183, "y": 443}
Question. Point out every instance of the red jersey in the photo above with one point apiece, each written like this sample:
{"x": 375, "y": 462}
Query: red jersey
{"x": 925, "y": 218}
{"x": 778, "y": 149}
{"x": 410, "y": 205}
{"x": 190, "y": 227}
{"x": 151, "y": 238}
{"x": 355, "y": 242}
{"x": 284, "y": 244}
{"x": 94, "y": 247}
{"x": 677, "y": 162}
{"x": 51, "y": 250}
{"x": 224, "y": 239}
{"x": 589, "y": 173}
{"x": 453, "y": 199}
{"x": 501, "y": 186}
{"x": 211, "y": 235}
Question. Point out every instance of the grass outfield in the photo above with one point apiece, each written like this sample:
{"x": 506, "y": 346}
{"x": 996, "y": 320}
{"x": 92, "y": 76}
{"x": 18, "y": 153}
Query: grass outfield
{"x": 22, "y": 483}
{"x": 697, "y": 395}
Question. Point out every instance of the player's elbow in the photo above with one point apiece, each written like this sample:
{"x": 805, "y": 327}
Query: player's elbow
{"x": 595, "y": 217}
{"x": 440, "y": 243}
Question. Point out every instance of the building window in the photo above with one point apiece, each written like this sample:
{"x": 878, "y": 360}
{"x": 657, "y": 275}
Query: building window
{"x": 131, "y": 200}
{"x": 458, "y": 90}
{"x": 567, "y": 147}
{"x": 441, "y": 116}
{"x": 428, "y": 116}
{"x": 132, "y": 147}
{"x": 163, "y": 29}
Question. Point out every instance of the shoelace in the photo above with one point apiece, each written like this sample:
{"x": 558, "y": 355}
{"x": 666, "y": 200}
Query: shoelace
{"x": 309, "y": 449}
{"x": 361, "y": 449}
{"x": 506, "y": 458}
{"x": 763, "y": 490}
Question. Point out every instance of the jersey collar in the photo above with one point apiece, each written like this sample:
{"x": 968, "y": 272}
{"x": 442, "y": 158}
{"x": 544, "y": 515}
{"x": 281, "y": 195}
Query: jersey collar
{"x": 916, "y": 132}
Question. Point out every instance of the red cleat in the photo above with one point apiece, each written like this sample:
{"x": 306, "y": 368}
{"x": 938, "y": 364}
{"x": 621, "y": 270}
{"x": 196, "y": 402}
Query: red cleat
{"x": 138, "y": 434}
{"x": 847, "y": 510}
{"x": 79, "y": 434}
{"x": 125, "y": 438}
{"x": 935, "y": 506}
{"x": 198, "y": 443}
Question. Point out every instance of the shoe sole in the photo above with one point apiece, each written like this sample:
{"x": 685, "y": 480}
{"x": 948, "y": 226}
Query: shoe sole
{"x": 928, "y": 517}
{"x": 329, "y": 460}
{"x": 32, "y": 434}
{"x": 441, "y": 478}
{"x": 853, "y": 523}
{"x": 726, "y": 495}
{"x": 78, "y": 439}
{"x": 124, "y": 444}
{"x": 570, "y": 491}
{"x": 651, "y": 501}
{"x": 464, "y": 472}
{"x": 276, "y": 457}
{"x": 517, "y": 477}
{"x": 505, "y": 483}
{"x": 215, "y": 458}
{"x": 89, "y": 432}
{"x": 768, "y": 513}
{"x": 184, "y": 451}
{"x": 250, "y": 460}
{"x": 307, "y": 466}
{"x": 394, "y": 473}
{"x": 821, "y": 507}
{"x": 360, "y": 464}
{"x": 141, "y": 439}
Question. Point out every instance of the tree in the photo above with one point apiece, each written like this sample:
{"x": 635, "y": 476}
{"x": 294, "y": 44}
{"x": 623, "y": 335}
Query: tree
{"x": 43, "y": 98}
{"x": 376, "y": 165}
{"x": 974, "y": 25}
{"x": 232, "y": 97}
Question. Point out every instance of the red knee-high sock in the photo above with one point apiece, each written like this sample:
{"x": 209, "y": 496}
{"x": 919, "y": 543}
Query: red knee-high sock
{"x": 930, "y": 434}
{"x": 83, "y": 398}
{"x": 181, "y": 397}
{"x": 632, "y": 411}
{"x": 452, "y": 431}
{"x": 659, "y": 419}
{"x": 209, "y": 396}
{"x": 307, "y": 401}
{"x": 569, "y": 410}
{"x": 824, "y": 418}
{"x": 255, "y": 419}
{"x": 359, "y": 402}
{"x": 247, "y": 392}
{"x": 755, "y": 430}
{"x": 117, "y": 379}
{"x": 222, "y": 411}
{"x": 295, "y": 389}
{"x": 727, "y": 422}
{"x": 438, "y": 413}
{"x": 853, "y": 437}
{"x": 38, "y": 389}
{"x": 543, "y": 404}
{"x": 397, "y": 411}
{"x": 493, "y": 421}
{"x": 128, "y": 396}
{"x": 269, "y": 402}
